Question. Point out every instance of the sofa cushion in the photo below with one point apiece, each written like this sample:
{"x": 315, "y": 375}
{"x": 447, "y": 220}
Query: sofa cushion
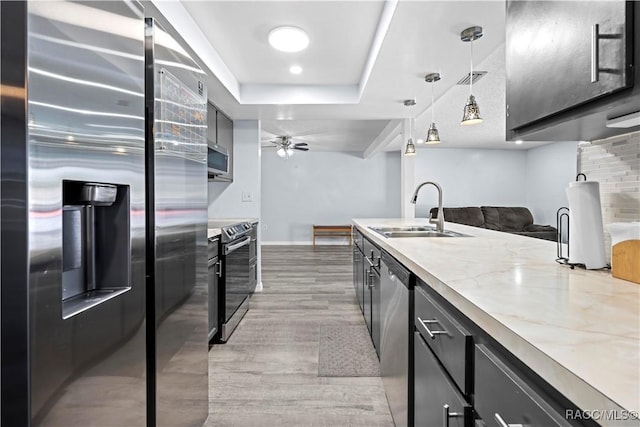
{"x": 468, "y": 216}
{"x": 505, "y": 218}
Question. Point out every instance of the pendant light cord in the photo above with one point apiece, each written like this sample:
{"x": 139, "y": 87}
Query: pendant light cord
{"x": 433, "y": 107}
{"x": 471, "y": 72}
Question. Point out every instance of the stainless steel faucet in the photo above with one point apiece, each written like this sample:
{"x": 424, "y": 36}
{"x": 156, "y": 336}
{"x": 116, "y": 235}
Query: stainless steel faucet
{"x": 439, "y": 221}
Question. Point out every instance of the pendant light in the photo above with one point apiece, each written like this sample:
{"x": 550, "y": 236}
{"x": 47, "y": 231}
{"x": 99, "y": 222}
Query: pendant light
{"x": 433, "y": 137}
{"x": 471, "y": 114}
{"x": 410, "y": 150}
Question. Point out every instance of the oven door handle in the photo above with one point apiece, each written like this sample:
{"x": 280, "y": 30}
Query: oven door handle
{"x": 227, "y": 249}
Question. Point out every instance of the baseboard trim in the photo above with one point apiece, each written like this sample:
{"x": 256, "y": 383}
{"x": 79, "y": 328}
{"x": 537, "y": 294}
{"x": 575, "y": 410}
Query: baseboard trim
{"x": 307, "y": 243}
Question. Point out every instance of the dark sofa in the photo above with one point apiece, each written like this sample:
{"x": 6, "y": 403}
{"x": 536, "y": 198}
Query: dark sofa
{"x": 514, "y": 220}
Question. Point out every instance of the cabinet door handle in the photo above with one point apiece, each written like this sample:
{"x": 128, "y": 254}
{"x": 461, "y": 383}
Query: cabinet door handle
{"x": 219, "y": 269}
{"x": 503, "y": 423}
{"x": 432, "y": 334}
{"x": 446, "y": 415}
{"x": 595, "y": 53}
{"x": 371, "y": 275}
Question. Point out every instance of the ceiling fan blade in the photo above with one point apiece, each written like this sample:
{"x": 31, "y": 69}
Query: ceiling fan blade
{"x": 300, "y": 144}
{"x": 301, "y": 148}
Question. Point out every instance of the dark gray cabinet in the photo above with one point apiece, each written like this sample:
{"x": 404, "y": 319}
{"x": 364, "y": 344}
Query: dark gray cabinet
{"x": 437, "y": 401}
{"x": 214, "y": 273}
{"x": 224, "y": 126}
{"x": 358, "y": 269}
{"x": 371, "y": 299}
{"x": 220, "y": 132}
{"x": 564, "y": 61}
{"x": 212, "y": 130}
{"x": 449, "y": 341}
{"x": 458, "y": 364}
{"x": 504, "y": 398}
{"x": 253, "y": 257}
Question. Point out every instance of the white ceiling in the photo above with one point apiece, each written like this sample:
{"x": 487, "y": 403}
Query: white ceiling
{"x": 364, "y": 59}
{"x": 325, "y": 135}
{"x": 333, "y": 57}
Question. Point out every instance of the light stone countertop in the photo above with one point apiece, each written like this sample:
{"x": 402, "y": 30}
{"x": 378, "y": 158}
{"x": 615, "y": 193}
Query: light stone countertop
{"x": 578, "y": 329}
{"x": 222, "y": 222}
{"x": 213, "y": 232}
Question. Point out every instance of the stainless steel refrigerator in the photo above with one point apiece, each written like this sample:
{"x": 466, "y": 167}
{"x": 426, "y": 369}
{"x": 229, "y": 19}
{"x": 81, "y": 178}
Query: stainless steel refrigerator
{"x": 104, "y": 216}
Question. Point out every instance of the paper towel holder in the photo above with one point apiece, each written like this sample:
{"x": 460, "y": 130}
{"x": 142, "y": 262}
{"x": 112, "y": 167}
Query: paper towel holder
{"x": 562, "y": 217}
{"x": 578, "y": 178}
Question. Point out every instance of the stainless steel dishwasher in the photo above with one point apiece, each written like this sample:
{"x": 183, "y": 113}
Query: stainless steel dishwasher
{"x": 396, "y": 307}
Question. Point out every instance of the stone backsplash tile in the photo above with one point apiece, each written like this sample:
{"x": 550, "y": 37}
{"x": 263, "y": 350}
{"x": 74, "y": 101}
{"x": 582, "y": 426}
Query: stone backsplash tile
{"x": 615, "y": 163}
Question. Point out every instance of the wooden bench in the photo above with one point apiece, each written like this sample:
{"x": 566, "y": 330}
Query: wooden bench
{"x": 332, "y": 231}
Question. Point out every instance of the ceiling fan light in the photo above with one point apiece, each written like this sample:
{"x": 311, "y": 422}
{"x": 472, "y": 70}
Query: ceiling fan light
{"x": 281, "y": 152}
{"x": 411, "y": 148}
{"x": 433, "y": 136}
{"x": 471, "y": 115}
{"x": 288, "y": 39}
{"x": 289, "y": 151}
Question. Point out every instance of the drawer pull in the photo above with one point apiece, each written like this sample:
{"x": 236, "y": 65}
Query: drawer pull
{"x": 446, "y": 415}
{"x": 503, "y": 423}
{"x": 432, "y": 334}
{"x": 371, "y": 276}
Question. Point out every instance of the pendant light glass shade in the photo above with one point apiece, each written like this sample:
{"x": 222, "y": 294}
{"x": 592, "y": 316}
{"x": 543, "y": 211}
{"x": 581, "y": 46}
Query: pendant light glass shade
{"x": 433, "y": 136}
{"x": 411, "y": 148}
{"x": 471, "y": 115}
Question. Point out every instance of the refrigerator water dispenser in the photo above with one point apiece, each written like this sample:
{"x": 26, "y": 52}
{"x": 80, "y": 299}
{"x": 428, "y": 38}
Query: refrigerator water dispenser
{"x": 96, "y": 247}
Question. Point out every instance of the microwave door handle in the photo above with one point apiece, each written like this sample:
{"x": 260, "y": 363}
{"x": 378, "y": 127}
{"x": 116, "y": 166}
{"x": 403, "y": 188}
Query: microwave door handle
{"x": 231, "y": 248}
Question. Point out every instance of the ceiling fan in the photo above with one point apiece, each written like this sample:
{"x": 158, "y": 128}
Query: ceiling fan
{"x": 285, "y": 146}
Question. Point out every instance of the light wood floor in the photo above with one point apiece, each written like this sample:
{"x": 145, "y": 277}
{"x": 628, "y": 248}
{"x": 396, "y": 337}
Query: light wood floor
{"x": 266, "y": 375}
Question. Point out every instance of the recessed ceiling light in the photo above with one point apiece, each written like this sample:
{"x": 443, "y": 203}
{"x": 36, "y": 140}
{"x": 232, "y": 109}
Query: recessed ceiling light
{"x": 288, "y": 39}
{"x": 519, "y": 141}
{"x": 295, "y": 69}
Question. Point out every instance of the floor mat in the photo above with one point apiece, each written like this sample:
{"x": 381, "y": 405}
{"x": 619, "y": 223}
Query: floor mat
{"x": 347, "y": 351}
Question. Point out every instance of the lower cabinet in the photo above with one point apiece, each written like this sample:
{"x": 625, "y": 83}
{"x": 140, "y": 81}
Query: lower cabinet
{"x": 504, "y": 399}
{"x": 358, "y": 274}
{"x": 437, "y": 401}
{"x": 374, "y": 284}
{"x": 458, "y": 364}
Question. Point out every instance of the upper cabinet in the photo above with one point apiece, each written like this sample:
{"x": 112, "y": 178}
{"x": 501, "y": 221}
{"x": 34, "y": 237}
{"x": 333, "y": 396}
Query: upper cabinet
{"x": 225, "y": 139}
{"x": 569, "y": 68}
{"x": 220, "y": 132}
{"x": 212, "y": 131}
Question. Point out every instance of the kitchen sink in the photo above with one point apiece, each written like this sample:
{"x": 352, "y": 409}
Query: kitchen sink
{"x": 391, "y": 232}
{"x": 409, "y": 229}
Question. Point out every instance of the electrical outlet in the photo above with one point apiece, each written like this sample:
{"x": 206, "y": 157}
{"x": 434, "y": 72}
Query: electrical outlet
{"x": 247, "y": 196}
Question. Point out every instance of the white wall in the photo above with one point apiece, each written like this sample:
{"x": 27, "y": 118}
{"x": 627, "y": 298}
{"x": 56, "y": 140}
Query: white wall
{"x": 550, "y": 168}
{"x": 319, "y": 187}
{"x": 225, "y": 198}
{"x": 471, "y": 177}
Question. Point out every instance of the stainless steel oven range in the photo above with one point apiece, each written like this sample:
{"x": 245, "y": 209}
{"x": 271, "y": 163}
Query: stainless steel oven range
{"x": 237, "y": 255}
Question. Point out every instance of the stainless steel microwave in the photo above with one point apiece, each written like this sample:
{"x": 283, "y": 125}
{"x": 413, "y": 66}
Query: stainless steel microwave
{"x": 217, "y": 160}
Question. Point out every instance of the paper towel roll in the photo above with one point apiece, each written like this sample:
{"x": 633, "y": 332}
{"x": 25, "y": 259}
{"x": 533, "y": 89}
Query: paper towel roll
{"x": 586, "y": 233}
